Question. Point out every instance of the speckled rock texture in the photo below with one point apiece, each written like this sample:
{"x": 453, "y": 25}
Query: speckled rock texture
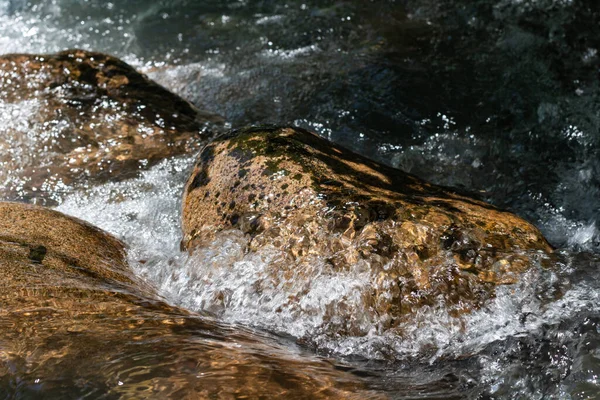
{"x": 78, "y": 116}
{"x": 75, "y": 322}
{"x": 292, "y": 191}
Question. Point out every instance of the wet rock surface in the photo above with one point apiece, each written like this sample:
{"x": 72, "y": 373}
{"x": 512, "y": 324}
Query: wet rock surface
{"x": 315, "y": 203}
{"x": 499, "y": 97}
{"x": 77, "y": 116}
{"x": 75, "y": 322}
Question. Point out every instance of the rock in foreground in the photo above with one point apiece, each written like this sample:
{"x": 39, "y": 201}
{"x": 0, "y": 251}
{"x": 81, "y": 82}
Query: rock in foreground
{"x": 315, "y": 209}
{"x": 75, "y": 323}
{"x": 78, "y": 116}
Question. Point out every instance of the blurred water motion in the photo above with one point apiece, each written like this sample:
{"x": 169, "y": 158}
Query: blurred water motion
{"x": 498, "y": 97}
{"x": 75, "y": 326}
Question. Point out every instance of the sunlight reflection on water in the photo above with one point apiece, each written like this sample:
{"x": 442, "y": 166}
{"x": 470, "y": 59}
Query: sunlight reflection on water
{"x": 478, "y": 97}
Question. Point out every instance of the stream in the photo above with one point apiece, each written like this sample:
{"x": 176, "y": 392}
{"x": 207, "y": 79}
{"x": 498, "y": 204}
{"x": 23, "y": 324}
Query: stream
{"x": 500, "y": 98}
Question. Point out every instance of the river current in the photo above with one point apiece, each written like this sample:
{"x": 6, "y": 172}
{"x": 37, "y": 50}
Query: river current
{"x": 495, "y": 97}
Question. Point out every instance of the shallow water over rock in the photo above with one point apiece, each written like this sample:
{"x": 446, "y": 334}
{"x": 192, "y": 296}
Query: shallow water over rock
{"x": 76, "y": 322}
{"x": 528, "y": 336}
{"x": 497, "y": 97}
{"x": 77, "y": 117}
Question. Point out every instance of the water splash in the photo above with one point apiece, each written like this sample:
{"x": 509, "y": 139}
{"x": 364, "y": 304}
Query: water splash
{"x": 521, "y": 164}
{"x": 222, "y": 278}
{"x": 144, "y": 212}
{"x": 225, "y": 279}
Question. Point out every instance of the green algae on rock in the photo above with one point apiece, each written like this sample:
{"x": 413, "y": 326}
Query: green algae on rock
{"x": 77, "y": 116}
{"x": 75, "y": 322}
{"x": 314, "y": 202}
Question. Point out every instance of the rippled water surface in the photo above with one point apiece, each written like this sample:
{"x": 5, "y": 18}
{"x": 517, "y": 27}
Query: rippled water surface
{"x": 497, "y": 97}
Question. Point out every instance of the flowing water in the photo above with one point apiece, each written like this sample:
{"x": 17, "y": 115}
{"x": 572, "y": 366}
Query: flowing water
{"x": 498, "y": 97}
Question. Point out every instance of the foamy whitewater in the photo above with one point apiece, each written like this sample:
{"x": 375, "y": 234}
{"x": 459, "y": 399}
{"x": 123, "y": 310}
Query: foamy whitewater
{"x": 222, "y": 278}
{"x": 377, "y": 79}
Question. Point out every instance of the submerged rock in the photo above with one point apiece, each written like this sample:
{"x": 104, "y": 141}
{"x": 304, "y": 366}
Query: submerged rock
{"x": 75, "y": 323}
{"x": 314, "y": 209}
{"x": 78, "y": 116}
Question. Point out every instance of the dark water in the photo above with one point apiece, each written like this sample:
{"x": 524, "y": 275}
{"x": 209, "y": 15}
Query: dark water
{"x": 496, "y": 97}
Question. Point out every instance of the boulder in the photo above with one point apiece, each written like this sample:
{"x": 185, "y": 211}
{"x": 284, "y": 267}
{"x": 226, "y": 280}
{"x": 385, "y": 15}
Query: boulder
{"x": 75, "y": 322}
{"x": 78, "y": 117}
{"x": 326, "y": 211}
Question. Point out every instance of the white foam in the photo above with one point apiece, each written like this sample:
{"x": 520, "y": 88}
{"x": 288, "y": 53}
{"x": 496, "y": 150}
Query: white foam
{"x": 584, "y": 235}
{"x": 308, "y": 301}
{"x": 144, "y": 212}
{"x": 225, "y": 279}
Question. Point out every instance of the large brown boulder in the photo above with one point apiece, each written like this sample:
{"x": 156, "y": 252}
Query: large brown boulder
{"x": 77, "y": 117}
{"x": 327, "y": 211}
{"x": 75, "y": 322}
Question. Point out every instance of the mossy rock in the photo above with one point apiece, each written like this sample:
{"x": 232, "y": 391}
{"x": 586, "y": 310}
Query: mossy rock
{"x": 75, "y": 322}
{"x": 77, "y": 117}
{"x": 291, "y": 191}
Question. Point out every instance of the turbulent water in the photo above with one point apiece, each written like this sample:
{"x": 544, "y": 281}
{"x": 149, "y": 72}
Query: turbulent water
{"x": 498, "y": 97}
